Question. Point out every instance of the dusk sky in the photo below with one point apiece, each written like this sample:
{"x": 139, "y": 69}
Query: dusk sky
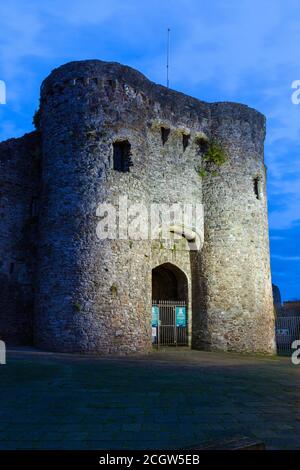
{"x": 245, "y": 51}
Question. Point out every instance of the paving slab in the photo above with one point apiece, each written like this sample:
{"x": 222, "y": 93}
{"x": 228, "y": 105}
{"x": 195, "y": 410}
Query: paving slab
{"x": 169, "y": 399}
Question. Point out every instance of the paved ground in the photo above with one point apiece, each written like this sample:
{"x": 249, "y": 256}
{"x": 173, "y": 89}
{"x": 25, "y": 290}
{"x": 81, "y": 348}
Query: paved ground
{"x": 166, "y": 400}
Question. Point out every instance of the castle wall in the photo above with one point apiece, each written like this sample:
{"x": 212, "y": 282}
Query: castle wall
{"x": 94, "y": 295}
{"x": 19, "y": 175}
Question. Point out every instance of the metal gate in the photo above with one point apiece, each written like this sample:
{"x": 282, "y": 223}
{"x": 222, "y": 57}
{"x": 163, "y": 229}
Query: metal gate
{"x": 169, "y": 323}
{"x": 287, "y": 331}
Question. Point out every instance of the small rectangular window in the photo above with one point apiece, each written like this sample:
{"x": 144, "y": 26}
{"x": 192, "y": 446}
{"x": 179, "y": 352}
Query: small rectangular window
{"x": 202, "y": 145}
{"x": 122, "y": 156}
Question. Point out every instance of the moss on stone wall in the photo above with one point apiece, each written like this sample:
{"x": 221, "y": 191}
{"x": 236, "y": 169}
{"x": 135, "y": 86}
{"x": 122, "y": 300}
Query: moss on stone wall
{"x": 214, "y": 157}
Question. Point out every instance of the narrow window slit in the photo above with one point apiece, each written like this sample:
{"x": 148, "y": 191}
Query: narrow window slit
{"x": 34, "y": 207}
{"x": 257, "y": 187}
{"x": 112, "y": 84}
{"x": 164, "y": 134}
{"x": 185, "y": 141}
{"x": 11, "y": 268}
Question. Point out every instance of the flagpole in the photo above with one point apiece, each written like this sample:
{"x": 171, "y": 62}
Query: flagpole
{"x": 168, "y": 56}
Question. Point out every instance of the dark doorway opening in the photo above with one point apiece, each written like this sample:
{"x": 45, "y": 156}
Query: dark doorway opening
{"x": 169, "y": 306}
{"x": 169, "y": 283}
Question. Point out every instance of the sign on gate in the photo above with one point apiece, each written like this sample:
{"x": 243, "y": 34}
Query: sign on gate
{"x": 155, "y": 315}
{"x": 180, "y": 316}
{"x": 169, "y": 323}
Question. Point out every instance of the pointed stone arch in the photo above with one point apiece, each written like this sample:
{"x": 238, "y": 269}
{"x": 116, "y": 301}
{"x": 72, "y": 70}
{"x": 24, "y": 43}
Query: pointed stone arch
{"x": 169, "y": 282}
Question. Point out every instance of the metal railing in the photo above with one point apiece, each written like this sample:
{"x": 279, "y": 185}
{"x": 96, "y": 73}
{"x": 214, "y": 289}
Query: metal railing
{"x": 170, "y": 327}
{"x": 287, "y": 330}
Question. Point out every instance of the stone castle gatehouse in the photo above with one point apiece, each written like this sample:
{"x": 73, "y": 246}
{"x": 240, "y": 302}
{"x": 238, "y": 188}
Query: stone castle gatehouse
{"x": 105, "y": 131}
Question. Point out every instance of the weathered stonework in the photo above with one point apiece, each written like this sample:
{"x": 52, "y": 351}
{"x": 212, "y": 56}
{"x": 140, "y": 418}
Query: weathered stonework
{"x": 19, "y": 183}
{"x": 95, "y": 295}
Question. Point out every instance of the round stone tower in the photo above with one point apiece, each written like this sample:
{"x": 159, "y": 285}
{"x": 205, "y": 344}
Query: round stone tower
{"x": 81, "y": 303}
{"x": 109, "y": 136}
{"x": 235, "y": 264}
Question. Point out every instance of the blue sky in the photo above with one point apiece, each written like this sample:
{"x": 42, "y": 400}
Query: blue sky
{"x": 246, "y": 51}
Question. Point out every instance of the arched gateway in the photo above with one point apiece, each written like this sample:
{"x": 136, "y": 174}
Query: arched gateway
{"x": 169, "y": 306}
